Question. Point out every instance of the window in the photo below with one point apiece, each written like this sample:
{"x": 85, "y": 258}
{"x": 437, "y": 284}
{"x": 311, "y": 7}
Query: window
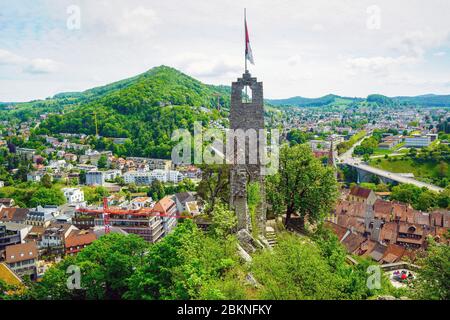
{"x": 247, "y": 94}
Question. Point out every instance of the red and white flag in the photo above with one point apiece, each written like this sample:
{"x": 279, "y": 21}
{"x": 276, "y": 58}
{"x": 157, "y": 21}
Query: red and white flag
{"x": 248, "y": 49}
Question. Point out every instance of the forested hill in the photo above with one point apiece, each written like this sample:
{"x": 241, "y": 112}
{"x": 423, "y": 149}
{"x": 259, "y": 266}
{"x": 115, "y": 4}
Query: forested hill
{"x": 313, "y": 102}
{"x": 429, "y": 100}
{"x": 146, "y": 109}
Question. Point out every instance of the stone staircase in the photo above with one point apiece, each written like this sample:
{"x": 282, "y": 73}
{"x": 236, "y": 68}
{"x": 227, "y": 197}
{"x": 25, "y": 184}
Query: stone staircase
{"x": 271, "y": 236}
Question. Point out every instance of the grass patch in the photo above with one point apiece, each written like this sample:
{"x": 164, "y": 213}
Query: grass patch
{"x": 428, "y": 169}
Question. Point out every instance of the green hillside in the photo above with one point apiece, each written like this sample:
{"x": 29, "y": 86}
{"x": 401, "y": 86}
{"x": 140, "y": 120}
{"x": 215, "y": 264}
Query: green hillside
{"x": 146, "y": 109}
{"x": 327, "y": 100}
{"x": 429, "y": 100}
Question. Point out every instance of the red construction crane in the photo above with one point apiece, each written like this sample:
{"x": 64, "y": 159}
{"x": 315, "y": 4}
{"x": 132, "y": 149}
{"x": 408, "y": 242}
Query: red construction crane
{"x": 106, "y": 211}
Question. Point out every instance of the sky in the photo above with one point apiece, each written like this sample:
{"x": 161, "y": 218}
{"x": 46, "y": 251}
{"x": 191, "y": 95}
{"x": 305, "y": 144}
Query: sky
{"x": 306, "y": 48}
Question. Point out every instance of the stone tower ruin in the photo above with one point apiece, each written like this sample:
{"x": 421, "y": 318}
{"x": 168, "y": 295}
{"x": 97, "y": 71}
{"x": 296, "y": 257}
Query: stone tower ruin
{"x": 247, "y": 112}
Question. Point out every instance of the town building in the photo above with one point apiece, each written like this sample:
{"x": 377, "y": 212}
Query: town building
{"x": 181, "y": 200}
{"x": 21, "y": 258}
{"x": 362, "y": 195}
{"x": 26, "y": 153}
{"x": 6, "y": 202}
{"x": 78, "y": 240}
{"x": 167, "y": 208}
{"x": 54, "y": 237}
{"x": 20, "y": 228}
{"x": 95, "y": 178}
{"x": 142, "y": 202}
{"x": 8, "y": 238}
{"x": 42, "y": 216}
{"x": 17, "y": 215}
{"x": 73, "y": 195}
{"x": 417, "y": 141}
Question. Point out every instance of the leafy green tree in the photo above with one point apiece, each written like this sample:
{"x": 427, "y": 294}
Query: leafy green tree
{"x": 303, "y": 186}
{"x": 443, "y": 200}
{"x": 186, "y": 185}
{"x": 157, "y": 190}
{"x": 433, "y": 279}
{"x": 215, "y": 184}
{"x": 295, "y": 270}
{"x": 224, "y": 221}
{"x": 44, "y": 196}
{"x": 82, "y": 177}
{"x": 407, "y": 193}
{"x": 105, "y": 265}
{"x": 186, "y": 264}
{"x": 427, "y": 200}
{"x": 102, "y": 162}
{"x": 95, "y": 194}
{"x": 46, "y": 181}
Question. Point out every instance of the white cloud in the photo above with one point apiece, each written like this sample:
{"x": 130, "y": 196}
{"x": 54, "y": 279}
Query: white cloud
{"x": 9, "y": 58}
{"x": 377, "y": 65}
{"x": 138, "y": 20}
{"x": 38, "y": 66}
{"x": 416, "y": 43}
{"x": 318, "y": 27}
{"x": 294, "y": 60}
{"x": 203, "y": 66}
{"x": 439, "y": 54}
{"x": 33, "y": 66}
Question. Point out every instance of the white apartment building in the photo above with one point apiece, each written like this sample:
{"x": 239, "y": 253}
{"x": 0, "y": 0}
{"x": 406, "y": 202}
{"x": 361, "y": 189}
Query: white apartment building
{"x": 138, "y": 177}
{"x": 73, "y": 195}
{"x": 112, "y": 174}
{"x": 146, "y": 178}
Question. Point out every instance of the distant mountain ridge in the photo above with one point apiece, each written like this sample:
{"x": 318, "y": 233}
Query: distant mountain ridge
{"x": 428, "y": 100}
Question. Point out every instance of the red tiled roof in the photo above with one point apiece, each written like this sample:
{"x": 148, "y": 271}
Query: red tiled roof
{"x": 353, "y": 241}
{"x": 382, "y": 209}
{"x": 164, "y": 205}
{"x": 360, "y": 192}
{"x": 348, "y": 222}
{"x": 389, "y": 232}
{"x": 421, "y": 218}
{"x": 337, "y": 229}
{"x": 21, "y": 252}
{"x": 393, "y": 253}
{"x": 79, "y": 238}
{"x": 367, "y": 247}
{"x": 403, "y": 212}
{"x": 410, "y": 228}
{"x": 13, "y": 214}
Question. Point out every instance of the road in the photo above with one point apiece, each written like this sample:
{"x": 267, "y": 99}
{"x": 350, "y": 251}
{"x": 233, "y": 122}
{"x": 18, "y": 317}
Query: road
{"x": 390, "y": 175}
{"x": 348, "y": 159}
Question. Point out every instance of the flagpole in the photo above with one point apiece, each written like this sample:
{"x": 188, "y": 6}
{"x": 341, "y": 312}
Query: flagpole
{"x": 245, "y": 38}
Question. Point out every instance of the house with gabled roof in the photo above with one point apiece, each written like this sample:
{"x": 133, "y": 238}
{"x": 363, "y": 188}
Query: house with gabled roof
{"x": 358, "y": 194}
{"x": 21, "y": 258}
